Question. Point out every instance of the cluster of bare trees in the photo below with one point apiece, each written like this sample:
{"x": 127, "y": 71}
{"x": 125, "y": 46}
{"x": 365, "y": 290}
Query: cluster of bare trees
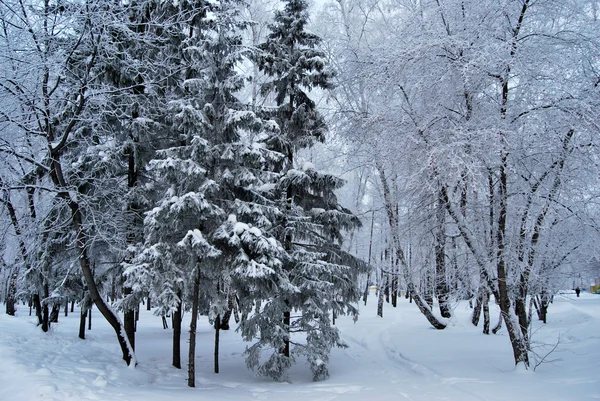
{"x": 475, "y": 133}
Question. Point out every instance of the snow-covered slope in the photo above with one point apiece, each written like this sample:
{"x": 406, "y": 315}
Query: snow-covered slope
{"x": 396, "y": 358}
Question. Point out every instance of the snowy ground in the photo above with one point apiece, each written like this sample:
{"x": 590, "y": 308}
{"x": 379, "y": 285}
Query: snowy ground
{"x": 396, "y": 358}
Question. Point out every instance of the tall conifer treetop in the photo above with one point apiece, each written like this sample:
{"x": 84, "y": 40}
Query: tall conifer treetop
{"x": 290, "y": 57}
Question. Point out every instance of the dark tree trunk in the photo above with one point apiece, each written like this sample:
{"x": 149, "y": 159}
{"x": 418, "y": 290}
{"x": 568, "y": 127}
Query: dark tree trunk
{"x": 176, "y": 322}
{"x": 164, "y": 322}
{"x": 45, "y": 312}
{"x": 541, "y": 303}
{"x": 82, "y": 320}
{"x": 129, "y": 319}
{"x": 38, "y": 308}
{"x": 224, "y": 325}
{"x": 148, "y": 304}
{"x": 194, "y": 320}
{"x": 395, "y": 290}
{"x": 425, "y": 309}
{"x": 386, "y": 290}
{"x": 45, "y": 318}
{"x": 217, "y": 330}
{"x": 72, "y": 306}
{"x": 54, "y": 314}
{"x": 66, "y": 307}
{"x": 90, "y": 318}
{"x": 477, "y": 309}
{"x": 286, "y": 326}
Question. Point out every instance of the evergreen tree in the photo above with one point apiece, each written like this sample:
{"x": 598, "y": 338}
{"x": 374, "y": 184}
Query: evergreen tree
{"x": 321, "y": 279}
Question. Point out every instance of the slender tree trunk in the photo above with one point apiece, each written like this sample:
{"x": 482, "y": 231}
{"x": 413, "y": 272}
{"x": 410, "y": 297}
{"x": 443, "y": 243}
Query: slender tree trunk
{"x": 441, "y": 285}
{"x": 486, "y": 312}
{"x": 394, "y": 290}
{"x": 217, "y": 330}
{"x": 45, "y": 318}
{"x": 425, "y": 309}
{"x": 11, "y": 300}
{"x": 380, "y": 287}
{"x": 129, "y": 319}
{"x": 477, "y": 309}
{"x": 66, "y": 307}
{"x": 194, "y": 320}
{"x": 54, "y": 314}
{"x": 82, "y": 320}
{"x": 37, "y": 304}
{"x": 45, "y": 312}
{"x": 366, "y": 293}
{"x": 90, "y": 318}
{"x": 176, "y": 332}
{"x": 148, "y": 304}
{"x": 286, "y": 325}
{"x": 72, "y": 306}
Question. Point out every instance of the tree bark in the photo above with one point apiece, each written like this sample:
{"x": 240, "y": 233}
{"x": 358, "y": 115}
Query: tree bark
{"x": 45, "y": 312}
{"x": 129, "y": 320}
{"x": 380, "y": 287}
{"x": 486, "y": 312}
{"x": 477, "y": 309}
{"x": 11, "y": 300}
{"x": 54, "y": 314}
{"x": 194, "y": 320}
{"x": 286, "y": 325}
{"x": 425, "y": 309}
{"x": 38, "y": 308}
{"x": 82, "y": 321}
{"x": 176, "y": 333}
{"x": 217, "y": 330}
{"x": 441, "y": 285}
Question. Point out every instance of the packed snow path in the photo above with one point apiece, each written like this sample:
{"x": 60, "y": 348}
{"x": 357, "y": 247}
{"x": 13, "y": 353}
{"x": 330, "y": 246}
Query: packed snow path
{"x": 396, "y": 358}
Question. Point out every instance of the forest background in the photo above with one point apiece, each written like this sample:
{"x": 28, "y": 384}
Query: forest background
{"x": 187, "y": 154}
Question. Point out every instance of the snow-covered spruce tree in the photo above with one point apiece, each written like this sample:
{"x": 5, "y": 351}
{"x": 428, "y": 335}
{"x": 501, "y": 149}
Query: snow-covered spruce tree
{"x": 243, "y": 173}
{"x": 221, "y": 178}
{"x": 205, "y": 120}
{"x": 322, "y": 278}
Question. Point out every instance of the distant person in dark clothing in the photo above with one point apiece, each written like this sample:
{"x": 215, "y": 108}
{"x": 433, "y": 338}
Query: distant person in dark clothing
{"x": 577, "y": 291}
